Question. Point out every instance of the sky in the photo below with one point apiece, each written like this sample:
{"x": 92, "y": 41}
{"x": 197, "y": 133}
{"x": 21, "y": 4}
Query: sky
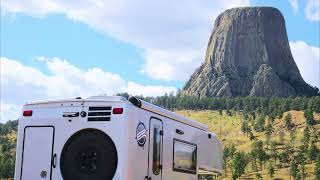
{"x": 57, "y": 48}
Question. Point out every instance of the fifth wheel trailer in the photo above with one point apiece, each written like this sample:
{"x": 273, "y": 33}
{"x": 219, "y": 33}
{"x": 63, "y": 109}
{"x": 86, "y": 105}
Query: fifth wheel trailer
{"x": 111, "y": 138}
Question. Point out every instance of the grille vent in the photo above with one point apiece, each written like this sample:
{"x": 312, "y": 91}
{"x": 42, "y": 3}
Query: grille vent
{"x": 99, "y": 113}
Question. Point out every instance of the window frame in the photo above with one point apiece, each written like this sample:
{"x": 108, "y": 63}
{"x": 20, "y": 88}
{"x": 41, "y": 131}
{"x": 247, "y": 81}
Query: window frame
{"x": 173, "y": 157}
{"x": 158, "y": 170}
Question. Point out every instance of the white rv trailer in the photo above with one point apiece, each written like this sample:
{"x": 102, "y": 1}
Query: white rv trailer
{"x": 109, "y": 137}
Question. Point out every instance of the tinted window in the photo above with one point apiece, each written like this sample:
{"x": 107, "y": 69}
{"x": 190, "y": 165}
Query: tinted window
{"x": 184, "y": 157}
{"x": 156, "y": 150}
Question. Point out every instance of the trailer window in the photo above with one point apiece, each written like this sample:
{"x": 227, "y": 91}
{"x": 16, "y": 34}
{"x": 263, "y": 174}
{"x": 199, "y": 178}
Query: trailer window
{"x": 184, "y": 156}
{"x": 156, "y": 166}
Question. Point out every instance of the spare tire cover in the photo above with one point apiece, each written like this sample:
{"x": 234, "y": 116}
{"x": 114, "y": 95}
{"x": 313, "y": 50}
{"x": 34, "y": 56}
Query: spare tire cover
{"x": 89, "y": 155}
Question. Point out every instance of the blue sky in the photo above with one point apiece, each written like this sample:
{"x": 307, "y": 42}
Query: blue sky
{"x": 142, "y": 47}
{"x": 299, "y": 27}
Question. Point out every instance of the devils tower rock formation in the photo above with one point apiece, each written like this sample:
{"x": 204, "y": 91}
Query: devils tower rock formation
{"x": 248, "y": 54}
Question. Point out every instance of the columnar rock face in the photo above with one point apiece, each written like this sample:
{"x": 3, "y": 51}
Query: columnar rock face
{"x": 248, "y": 54}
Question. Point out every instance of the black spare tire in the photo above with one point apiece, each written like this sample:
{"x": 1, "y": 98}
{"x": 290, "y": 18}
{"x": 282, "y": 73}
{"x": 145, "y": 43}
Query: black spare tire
{"x": 89, "y": 155}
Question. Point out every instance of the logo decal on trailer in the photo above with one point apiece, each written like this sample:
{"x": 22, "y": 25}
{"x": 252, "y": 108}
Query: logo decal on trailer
{"x": 141, "y": 134}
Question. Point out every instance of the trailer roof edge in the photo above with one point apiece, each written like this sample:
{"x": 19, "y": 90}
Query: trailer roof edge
{"x": 161, "y": 111}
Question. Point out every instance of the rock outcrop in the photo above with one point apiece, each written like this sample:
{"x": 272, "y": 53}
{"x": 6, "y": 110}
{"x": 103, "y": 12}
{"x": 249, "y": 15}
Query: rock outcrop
{"x": 248, "y": 54}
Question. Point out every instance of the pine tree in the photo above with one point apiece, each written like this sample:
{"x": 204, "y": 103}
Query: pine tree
{"x": 226, "y": 154}
{"x": 283, "y": 157}
{"x": 274, "y": 150}
{"x": 281, "y": 137}
{"x": 269, "y": 128}
{"x": 293, "y": 135}
{"x": 220, "y": 111}
{"x": 308, "y": 114}
{"x": 228, "y": 112}
{"x": 258, "y": 176}
{"x": 257, "y": 149}
{"x": 293, "y": 169}
{"x": 306, "y": 137}
{"x": 268, "y": 139}
{"x": 259, "y": 125}
{"x": 279, "y": 113}
{"x": 253, "y": 156}
{"x": 313, "y": 152}
{"x": 302, "y": 170}
{"x": 238, "y": 165}
{"x": 317, "y": 168}
{"x": 232, "y": 150}
{"x": 244, "y": 127}
{"x": 288, "y": 120}
{"x": 6, "y": 167}
{"x": 270, "y": 171}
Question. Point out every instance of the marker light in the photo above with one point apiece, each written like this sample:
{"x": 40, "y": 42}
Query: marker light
{"x": 117, "y": 110}
{"x": 27, "y": 113}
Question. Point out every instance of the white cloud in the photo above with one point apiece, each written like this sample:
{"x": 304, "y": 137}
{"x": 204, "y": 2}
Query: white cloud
{"x": 173, "y": 34}
{"x": 312, "y": 10}
{"x": 9, "y": 112}
{"x": 295, "y": 6}
{"x": 168, "y": 65}
{"x": 21, "y": 83}
{"x": 307, "y": 59}
{"x": 147, "y": 90}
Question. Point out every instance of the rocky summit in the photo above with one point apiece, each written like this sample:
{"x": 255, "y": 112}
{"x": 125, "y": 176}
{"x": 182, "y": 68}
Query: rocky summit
{"x": 248, "y": 54}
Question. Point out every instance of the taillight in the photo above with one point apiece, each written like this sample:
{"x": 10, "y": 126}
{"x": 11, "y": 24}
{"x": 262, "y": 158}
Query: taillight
{"x": 117, "y": 110}
{"x": 27, "y": 113}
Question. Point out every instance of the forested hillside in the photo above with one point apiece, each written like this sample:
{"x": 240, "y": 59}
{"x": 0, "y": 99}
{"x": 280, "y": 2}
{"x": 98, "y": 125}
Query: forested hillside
{"x": 8, "y": 138}
{"x": 255, "y": 147}
{"x": 249, "y": 105}
{"x": 263, "y": 138}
